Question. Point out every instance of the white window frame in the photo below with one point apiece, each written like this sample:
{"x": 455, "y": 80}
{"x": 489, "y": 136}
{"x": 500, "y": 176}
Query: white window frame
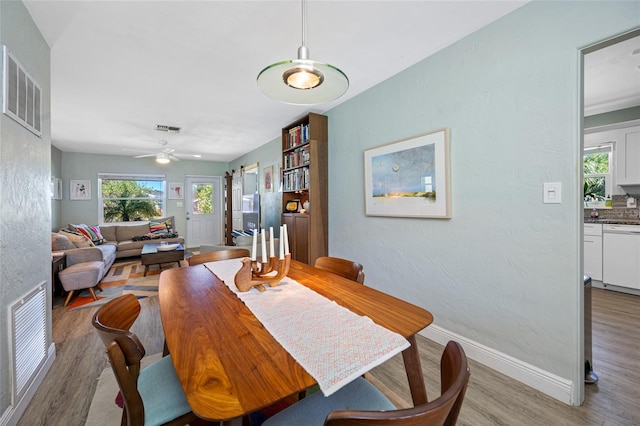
{"x": 606, "y": 148}
{"x": 137, "y": 177}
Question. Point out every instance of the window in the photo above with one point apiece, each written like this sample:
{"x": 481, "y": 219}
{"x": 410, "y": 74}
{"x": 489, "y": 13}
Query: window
{"x": 127, "y": 198}
{"x": 597, "y": 175}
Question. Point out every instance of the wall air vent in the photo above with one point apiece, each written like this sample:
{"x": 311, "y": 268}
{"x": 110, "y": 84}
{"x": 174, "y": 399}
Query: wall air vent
{"x": 168, "y": 129}
{"x": 22, "y": 98}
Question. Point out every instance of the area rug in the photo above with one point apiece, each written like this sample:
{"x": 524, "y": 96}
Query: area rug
{"x": 105, "y": 407}
{"x": 124, "y": 277}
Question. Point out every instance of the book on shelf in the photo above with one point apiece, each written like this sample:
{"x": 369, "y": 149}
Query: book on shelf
{"x": 297, "y": 136}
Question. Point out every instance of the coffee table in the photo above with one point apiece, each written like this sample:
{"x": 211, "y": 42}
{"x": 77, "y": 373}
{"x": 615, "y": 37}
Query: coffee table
{"x": 151, "y": 256}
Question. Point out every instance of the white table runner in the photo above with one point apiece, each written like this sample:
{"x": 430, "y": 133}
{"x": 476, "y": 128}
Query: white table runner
{"x": 333, "y": 344}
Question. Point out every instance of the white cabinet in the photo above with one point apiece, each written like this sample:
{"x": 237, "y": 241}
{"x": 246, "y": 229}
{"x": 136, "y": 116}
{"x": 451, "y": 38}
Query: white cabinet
{"x": 628, "y": 156}
{"x": 593, "y": 250}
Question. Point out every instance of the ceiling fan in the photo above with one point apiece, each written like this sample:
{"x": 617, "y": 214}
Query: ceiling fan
{"x": 167, "y": 154}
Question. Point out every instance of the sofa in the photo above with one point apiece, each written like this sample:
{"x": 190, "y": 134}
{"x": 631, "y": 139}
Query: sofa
{"x": 106, "y": 243}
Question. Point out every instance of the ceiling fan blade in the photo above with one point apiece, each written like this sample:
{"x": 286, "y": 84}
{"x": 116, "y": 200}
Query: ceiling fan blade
{"x": 144, "y": 155}
{"x": 186, "y": 155}
{"x": 173, "y": 157}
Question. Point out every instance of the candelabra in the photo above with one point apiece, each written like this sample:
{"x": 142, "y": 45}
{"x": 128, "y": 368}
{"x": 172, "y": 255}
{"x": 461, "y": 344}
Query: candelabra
{"x": 254, "y": 274}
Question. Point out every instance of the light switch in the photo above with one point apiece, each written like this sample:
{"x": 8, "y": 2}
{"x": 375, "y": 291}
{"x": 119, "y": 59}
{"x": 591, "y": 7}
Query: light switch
{"x": 552, "y": 193}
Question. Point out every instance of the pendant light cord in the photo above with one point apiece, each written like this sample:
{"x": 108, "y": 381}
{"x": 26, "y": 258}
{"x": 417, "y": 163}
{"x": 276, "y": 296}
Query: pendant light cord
{"x": 304, "y": 19}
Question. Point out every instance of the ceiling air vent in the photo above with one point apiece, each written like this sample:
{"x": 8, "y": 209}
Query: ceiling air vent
{"x": 168, "y": 129}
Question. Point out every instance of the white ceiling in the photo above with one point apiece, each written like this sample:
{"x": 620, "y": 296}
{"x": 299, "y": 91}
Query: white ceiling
{"x": 118, "y": 68}
{"x": 612, "y": 77}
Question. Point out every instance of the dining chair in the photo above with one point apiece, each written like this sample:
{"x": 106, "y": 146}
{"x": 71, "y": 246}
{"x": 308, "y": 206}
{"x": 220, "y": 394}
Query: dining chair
{"x": 213, "y": 256}
{"x": 361, "y": 404}
{"x": 152, "y": 396}
{"x": 343, "y": 267}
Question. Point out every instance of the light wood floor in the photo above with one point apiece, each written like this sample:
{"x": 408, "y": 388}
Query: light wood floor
{"x": 492, "y": 398}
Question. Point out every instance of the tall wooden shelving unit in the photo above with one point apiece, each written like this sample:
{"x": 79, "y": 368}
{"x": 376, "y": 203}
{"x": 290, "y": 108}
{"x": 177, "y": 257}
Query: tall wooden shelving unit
{"x": 304, "y": 161}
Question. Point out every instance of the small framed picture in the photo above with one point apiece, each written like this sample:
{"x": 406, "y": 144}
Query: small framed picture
{"x": 176, "y": 191}
{"x": 267, "y": 178}
{"x": 292, "y": 206}
{"x": 58, "y": 189}
{"x": 79, "y": 189}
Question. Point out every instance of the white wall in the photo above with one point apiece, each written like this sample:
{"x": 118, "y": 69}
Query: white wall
{"x": 25, "y": 202}
{"x": 505, "y": 272}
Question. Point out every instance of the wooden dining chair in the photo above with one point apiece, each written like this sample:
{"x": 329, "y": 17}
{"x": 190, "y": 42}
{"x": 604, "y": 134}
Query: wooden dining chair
{"x": 343, "y": 267}
{"x": 361, "y": 404}
{"x": 152, "y": 396}
{"x": 213, "y": 256}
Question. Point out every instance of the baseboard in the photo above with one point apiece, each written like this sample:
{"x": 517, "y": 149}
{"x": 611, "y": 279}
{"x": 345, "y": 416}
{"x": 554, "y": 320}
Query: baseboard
{"x": 547, "y": 383}
{"x": 11, "y": 416}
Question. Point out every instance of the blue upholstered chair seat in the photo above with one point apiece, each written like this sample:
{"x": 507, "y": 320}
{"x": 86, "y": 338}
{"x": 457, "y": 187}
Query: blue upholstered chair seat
{"x": 161, "y": 393}
{"x": 312, "y": 410}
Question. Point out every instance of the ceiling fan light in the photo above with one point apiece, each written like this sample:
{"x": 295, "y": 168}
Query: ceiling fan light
{"x": 162, "y": 158}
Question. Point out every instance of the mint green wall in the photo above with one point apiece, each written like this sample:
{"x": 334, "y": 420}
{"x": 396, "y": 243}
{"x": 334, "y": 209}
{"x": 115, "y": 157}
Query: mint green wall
{"x": 506, "y": 270}
{"x": 56, "y": 171}
{"x": 87, "y": 166}
{"x": 269, "y": 154}
{"x": 25, "y": 176}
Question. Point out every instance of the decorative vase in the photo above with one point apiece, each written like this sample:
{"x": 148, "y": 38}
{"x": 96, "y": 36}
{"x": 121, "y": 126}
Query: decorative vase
{"x": 305, "y": 205}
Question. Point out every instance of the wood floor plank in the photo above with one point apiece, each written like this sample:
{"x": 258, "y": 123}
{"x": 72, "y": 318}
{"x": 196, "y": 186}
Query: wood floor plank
{"x": 492, "y": 398}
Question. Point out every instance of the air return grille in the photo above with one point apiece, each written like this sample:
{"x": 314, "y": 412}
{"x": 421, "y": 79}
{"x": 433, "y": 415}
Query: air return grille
{"x": 168, "y": 129}
{"x": 22, "y": 95}
{"x": 28, "y": 321}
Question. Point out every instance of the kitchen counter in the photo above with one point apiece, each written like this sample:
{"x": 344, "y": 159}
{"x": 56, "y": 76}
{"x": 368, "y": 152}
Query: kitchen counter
{"x": 612, "y": 221}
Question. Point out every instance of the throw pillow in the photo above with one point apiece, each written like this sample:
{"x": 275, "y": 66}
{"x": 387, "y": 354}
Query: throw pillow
{"x": 91, "y": 232}
{"x": 60, "y": 242}
{"x": 78, "y": 239}
{"x": 165, "y": 227}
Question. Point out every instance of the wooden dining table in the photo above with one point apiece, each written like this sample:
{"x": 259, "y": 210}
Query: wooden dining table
{"x": 230, "y": 365}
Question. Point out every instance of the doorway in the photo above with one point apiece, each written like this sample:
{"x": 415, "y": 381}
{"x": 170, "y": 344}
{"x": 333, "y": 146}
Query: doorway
{"x": 204, "y": 210}
{"x": 610, "y": 98}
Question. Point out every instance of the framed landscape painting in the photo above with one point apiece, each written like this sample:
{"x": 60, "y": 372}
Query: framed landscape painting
{"x": 410, "y": 177}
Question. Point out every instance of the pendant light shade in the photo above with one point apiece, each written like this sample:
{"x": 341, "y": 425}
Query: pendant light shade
{"x": 302, "y": 81}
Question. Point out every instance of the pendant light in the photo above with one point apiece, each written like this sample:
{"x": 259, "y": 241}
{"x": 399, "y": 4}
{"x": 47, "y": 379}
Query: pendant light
{"x": 302, "y": 81}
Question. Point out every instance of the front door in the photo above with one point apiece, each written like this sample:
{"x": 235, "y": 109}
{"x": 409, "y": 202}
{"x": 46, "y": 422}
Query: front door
{"x": 204, "y": 210}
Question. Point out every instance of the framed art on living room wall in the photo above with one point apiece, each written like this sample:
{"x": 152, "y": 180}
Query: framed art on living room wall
{"x": 176, "y": 191}
{"x": 410, "y": 177}
{"x": 79, "y": 189}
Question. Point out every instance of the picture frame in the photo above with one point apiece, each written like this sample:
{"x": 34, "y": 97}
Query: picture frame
{"x": 267, "y": 178}
{"x": 409, "y": 177}
{"x": 56, "y": 188}
{"x": 79, "y": 189}
{"x": 176, "y": 191}
{"x": 292, "y": 206}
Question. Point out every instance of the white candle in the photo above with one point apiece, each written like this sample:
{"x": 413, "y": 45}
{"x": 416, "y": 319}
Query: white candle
{"x": 272, "y": 251}
{"x": 286, "y": 239}
{"x": 255, "y": 244}
{"x": 281, "y": 246}
{"x": 264, "y": 247}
